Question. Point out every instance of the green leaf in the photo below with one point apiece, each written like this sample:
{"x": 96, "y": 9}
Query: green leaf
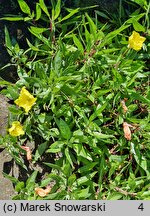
{"x": 40, "y": 150}
{"x": 53, "y": 166}
{"x": 88, "y": 167}
{"x": 78, "y": 44}
{"x": 102, "y": 14}
{"x": 58, "y": 61}
{"x": 4, "y": 82}
{"x": 140, "y": 2}
{"x": 58, "y": 178}
{"x": 83, "y": 193}
{"x": 81, "y": 151}
{"x": 84, "y": 179}
{"x": 12, "y": 92}
{"x": 118, "y": 158}
{"x": 42, "y": 117}
{"x": 35, "y": 31}
{"x": 27, "y": 19}
{"x": 38, "y": 30}
{"x": 137, "y": 75}
{"x": 45, "y": 182}
{"x": 19, "y": 186}
{"x": 98, "y": 111}
{"x": 44, "y": 8}
{"x": 139, "y": 158}
{"x": 31, "y": 180}
{"x": 64, "y": 129}
{"x": 38, "y": 11}
{"x": 106, "y": 51}
{"x": 53, "y": 150}
{"x": 112, "y": 35}
{"x": 60, "y": 195}
{"x": 24, "y": 7}
{"x": 56, "y": 147}
{"x": 70, "y": 14}
{"x": 19, "y": 160}
{"x": 114, "y": 196}
{"x": 71, "y": 180}
{"x": 57, "y": 9}
{"x": 14, "y": 110}
{"x": 8, "y": 41}
{"x": 78, "y": 133}
{"x": 67, "y": 169}
{"x": 135, "y": 17}
{"x": 88, "y": 39}
{"x": 31, "y": 46}
{"x": 137, "y": 96}
{"x": 138, "y": 27}
{"x": 68, "y": 156}
{"x": 93, "y": 28}
{"x": 99, "y": 135}
{"x": 102, "y": 167}
{"x": 12, "y": 18}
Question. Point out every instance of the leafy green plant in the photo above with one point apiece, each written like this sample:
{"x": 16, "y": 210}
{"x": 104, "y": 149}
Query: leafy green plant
{"x": 88, "y": 83}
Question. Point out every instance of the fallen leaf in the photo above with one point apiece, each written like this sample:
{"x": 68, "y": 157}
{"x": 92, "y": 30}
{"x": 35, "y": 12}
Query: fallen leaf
{"x": 28, "y": 150}
{"x": 127, "y": 131}
{"x": 42, "y": 192}
{"x": 125, "y": 109}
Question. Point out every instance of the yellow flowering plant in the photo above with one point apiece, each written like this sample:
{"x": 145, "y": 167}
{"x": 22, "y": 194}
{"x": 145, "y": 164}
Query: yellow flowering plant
{"x": 136, "y": 41}
{"x": 91, "y": 117}
{"x": 25, "y": 100}
{"x": 16, "y": 129}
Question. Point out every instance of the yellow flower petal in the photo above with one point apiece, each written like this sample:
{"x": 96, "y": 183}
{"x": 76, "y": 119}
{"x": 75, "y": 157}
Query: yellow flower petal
{"x": 16, "y": 129}
{"x": 136, "y": 41}
{"x": 25, "y": 100}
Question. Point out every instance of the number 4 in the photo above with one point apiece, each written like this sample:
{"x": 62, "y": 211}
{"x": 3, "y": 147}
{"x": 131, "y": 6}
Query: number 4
{"x": 141, "y": 207}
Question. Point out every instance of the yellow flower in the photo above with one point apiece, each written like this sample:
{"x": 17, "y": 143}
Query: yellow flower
{"x": 16, "y": 129}
{"x": 136, "y": 41}
{"x": 25, "y": 100}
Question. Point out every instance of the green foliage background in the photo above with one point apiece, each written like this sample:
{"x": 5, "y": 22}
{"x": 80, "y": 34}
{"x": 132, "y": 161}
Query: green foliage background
{"x": 80, "y": 70}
